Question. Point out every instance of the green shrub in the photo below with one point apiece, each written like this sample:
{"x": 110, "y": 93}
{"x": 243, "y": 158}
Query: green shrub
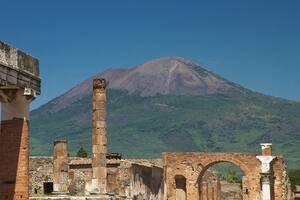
{"x": 294, "y": 175}
{"x": 231, "y": 177}
{"x": 81, "y": 153}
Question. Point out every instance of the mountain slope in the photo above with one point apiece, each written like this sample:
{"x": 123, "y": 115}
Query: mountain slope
{"x": 167, "y": 76}
{"x": 170, "y": 104}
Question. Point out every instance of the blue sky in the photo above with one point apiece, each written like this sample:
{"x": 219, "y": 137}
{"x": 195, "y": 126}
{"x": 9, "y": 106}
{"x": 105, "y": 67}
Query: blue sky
{"x": 255, "y": 43}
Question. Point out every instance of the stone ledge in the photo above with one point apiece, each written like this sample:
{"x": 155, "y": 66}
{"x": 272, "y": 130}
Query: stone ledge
{"x": 18, "y": 68}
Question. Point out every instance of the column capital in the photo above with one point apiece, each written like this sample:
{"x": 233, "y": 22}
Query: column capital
{"x": 265, "y": 163}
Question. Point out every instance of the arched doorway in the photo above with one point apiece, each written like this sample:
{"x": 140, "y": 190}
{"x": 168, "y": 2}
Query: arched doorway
{"x": 222, "y": 181}
{"x": 180, "y": 184}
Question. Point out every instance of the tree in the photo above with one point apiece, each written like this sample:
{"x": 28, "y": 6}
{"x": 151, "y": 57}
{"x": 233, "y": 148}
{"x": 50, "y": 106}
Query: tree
{"x": 231, "y": 177}
{"x": 294, "y": 175}
{"x": 81, "y": 153}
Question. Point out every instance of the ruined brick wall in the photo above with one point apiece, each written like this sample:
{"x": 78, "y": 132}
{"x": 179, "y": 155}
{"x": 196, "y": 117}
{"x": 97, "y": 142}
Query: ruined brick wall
{"x": 210, "y": 186}
{"x": 146, "y": 182}
{"x": 281, "y": 181}
{"x": 113, "y": 180}
{"x": 14, "y": 154}
{"x": 148, "y": 179}
{"x": 80, "y": 172}
{"x": 193, "y": 165}
{"x": 40, "y": 171}
{"x": 123, "y": 178}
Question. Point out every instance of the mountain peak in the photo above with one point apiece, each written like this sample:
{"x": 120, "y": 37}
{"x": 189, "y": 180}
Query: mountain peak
{"x": 168, "y": 75}
{"x": 165, "y": 76}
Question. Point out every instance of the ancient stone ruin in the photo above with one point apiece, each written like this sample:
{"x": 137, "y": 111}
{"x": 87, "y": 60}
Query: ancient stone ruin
{"x": 19, "y": 85}
{"x": 175, "y": 176}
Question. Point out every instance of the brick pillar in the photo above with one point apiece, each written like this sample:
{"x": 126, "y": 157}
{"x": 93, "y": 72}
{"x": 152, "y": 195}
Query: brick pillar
{"x": 99, "y": 140}
{"x": 60, "y": 167}
{"x": 14, "y": 144}
{"x": 266, "y": 149}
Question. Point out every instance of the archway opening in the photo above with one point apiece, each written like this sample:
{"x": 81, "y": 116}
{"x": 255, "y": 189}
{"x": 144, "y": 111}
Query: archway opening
{"x": 48, "y": 187}
{"x": 180, "y": 183}
{"x": 222, "y": 181}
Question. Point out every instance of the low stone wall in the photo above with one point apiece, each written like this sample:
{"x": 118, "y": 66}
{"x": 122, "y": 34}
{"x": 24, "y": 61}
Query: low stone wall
{"x": 102, "y": 197}
{"x": 125, "y": 177}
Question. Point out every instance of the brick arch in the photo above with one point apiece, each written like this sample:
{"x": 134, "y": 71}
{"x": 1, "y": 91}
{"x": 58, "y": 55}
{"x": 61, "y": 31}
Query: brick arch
{"x": 193, "y": 165}
{"x": 201, "y": 173}
{"x": 234, "y": 161}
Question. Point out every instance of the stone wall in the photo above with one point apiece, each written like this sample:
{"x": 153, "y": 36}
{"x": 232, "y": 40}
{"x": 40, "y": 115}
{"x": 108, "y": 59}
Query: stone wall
{"x": 80, "y": 172}
{"x": 123, "y": 176}
{"x": 40, "y": 172}
{"x": 146, "y": 182}
{"x": 68, "y": 197}
{"x": 281, "y": 180}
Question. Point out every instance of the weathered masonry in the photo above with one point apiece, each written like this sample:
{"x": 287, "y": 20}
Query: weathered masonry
{"x": 19, "y": 85}
{"x": 177, "y": 176}
{"x": 265, "y": 175}
{"x": 99, "y": 149}
{"x": 60, "y": 167}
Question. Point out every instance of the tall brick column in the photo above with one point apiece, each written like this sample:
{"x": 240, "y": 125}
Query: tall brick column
{"x": 99, "y": 137}
{"x": 14, "y": 152}
{"x": 60, "y": 167}
{"x": 19, "y": 85}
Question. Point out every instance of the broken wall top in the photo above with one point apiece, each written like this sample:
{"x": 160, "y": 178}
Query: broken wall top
{"x": 18, "y": 68}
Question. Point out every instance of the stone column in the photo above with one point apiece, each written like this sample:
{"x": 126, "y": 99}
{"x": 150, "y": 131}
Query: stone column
{"x": 99, "y": 148}
{"x": 266, "y": 158}
{"x": 19, "y": 85}
{"x": 60, "y": 167}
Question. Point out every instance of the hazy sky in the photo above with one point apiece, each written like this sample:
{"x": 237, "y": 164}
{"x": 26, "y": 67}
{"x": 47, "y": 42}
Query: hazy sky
{"x": 255, "y": 43}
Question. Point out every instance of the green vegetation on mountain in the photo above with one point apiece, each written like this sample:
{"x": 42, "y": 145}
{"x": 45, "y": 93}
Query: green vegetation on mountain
{"x": 170, "y": 104}
{"x": 143, "y": 127}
